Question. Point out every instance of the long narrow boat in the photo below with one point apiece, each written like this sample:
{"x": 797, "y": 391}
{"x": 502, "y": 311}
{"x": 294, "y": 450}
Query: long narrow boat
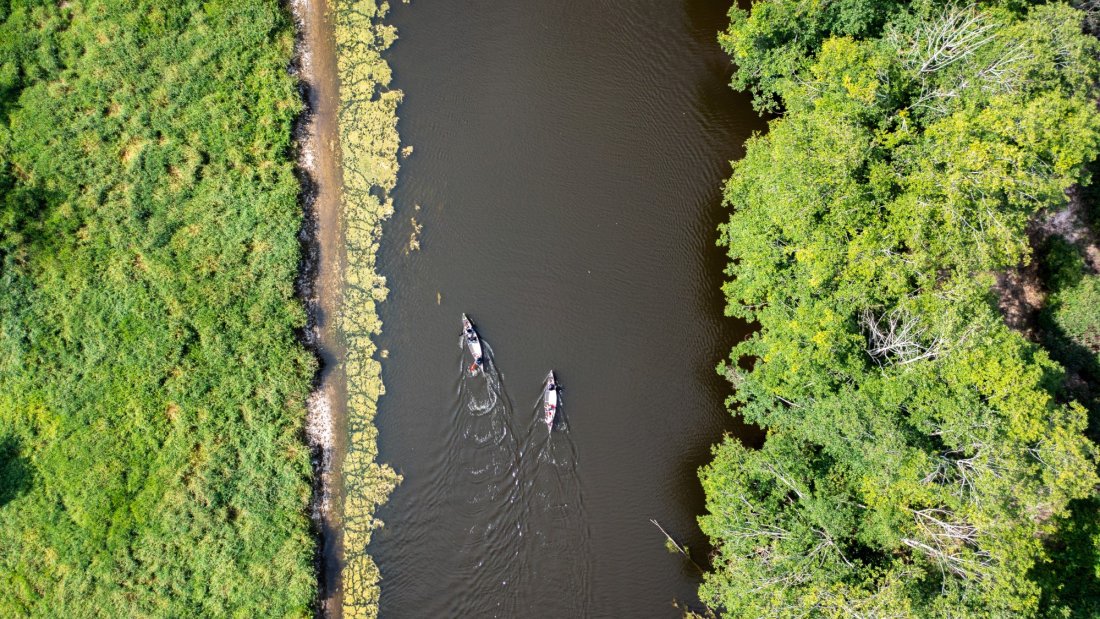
{"x": 550, "y": 400}
{"x": 473, "y": 342}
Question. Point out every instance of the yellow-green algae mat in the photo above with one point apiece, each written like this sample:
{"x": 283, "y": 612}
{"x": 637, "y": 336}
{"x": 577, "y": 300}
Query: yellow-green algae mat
{"x": 369, "y": 143}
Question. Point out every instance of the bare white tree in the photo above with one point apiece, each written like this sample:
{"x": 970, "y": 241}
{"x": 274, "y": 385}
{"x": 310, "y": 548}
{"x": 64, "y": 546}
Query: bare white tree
{"x": 957, "y": 33}
{"x": 950, "y": 542}
{"x": 959, "y": 474}
{"x": 954, "y": 36}
{"x": 898, "y": 337}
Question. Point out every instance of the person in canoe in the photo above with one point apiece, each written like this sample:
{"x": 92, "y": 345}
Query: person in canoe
{"x": 473, "y": 342}
{"x": 550, "y": 400}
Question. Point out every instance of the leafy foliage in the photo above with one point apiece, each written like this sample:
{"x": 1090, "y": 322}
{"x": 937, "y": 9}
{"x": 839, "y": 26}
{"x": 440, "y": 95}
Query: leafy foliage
{"x": 1070, "y": 323}
{"x": 777, "y": 40}
{"x": 1070, "y": 327}
{"x": 1073, "y": 312}
{"x": 151, "y": 389}
{"x": 918, "y": 462}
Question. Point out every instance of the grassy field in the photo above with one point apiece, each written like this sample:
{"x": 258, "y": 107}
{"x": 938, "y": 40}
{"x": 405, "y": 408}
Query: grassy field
{"x": 151, "y": 386}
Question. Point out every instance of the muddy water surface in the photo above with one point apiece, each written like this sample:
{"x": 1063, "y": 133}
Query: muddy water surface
{"x": 568, "y": 165}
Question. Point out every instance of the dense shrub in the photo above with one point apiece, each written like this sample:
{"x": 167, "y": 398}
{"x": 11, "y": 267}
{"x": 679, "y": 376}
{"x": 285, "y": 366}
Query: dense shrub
{"x": 1075, "y": 312}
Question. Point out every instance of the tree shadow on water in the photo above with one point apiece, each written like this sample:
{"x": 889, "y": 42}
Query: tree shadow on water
{"x": 16, "y": 474}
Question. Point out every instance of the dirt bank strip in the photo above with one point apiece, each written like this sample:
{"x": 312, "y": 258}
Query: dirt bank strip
{"x": 342, "y": 43}
{"x": 321, "y": 281}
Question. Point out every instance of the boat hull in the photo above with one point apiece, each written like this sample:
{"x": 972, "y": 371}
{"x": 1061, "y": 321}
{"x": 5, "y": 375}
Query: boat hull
{"x": 473, "y": 343}
{"x": 550, "y": 401}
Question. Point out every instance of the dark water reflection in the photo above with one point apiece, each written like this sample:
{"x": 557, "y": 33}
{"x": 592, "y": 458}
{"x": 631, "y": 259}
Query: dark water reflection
{"x": 568, "y": 166}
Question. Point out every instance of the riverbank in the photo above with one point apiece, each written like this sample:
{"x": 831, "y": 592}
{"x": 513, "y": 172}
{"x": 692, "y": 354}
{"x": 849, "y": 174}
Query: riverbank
{"x": 320, "y": 281}
{"x": 339, "y": 284}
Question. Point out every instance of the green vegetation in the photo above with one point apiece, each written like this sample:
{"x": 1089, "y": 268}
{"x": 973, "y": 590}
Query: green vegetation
{"x": 1069, "y": 327}
{"x": 1073, "y": 312}
{"x": 1070, "y": 322}
{"x": 921, "y": 460}
{"x": 151, "y": 387}
{"x": 369, "y": 145}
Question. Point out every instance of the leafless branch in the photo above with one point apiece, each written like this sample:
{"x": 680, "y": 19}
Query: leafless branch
{"x": 955, "y": 34}
{"x": 898, "y": 337}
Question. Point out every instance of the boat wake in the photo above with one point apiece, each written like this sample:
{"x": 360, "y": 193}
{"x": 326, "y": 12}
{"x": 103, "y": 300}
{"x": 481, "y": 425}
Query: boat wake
{"x": 553, "y": 520}
{"x": 477, "y": 490}
{"x": 516, "y": 498}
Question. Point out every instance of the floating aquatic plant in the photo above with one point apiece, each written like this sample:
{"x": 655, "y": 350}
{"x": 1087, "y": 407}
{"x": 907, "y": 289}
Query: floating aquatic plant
{"x": 369, "y": 148}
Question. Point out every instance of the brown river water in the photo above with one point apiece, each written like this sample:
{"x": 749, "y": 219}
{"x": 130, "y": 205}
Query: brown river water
{"x": 568, "y": 165}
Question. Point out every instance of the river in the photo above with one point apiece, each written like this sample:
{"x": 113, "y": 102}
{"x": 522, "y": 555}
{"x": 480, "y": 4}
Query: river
{"x": 567, "y": 173}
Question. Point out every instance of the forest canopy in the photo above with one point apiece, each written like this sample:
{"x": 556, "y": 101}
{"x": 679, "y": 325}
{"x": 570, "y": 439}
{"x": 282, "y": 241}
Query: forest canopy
{"x": 151, "y": 386}
{"x": 922, "y": 459}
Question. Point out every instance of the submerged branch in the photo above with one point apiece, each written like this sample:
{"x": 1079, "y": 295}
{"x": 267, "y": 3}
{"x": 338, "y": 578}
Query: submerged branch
{"x": 677, "y": 546}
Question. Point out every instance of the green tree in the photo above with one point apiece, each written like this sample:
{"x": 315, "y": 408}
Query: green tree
{"x": 918, "y": 461}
